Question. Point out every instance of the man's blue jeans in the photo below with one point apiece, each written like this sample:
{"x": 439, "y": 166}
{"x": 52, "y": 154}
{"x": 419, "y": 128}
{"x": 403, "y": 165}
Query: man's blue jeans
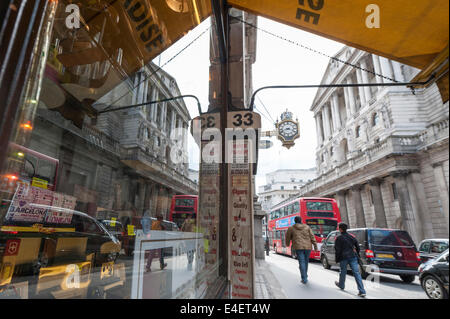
{"x": 303, "y": 260}
{"x": 353, "y": 262}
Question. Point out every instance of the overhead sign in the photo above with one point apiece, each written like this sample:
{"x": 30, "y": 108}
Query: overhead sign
{"x": 265, "y": 144}
{"x": 411, "y": 32}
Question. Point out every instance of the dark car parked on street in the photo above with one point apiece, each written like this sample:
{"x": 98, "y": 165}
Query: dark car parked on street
{"x": 431, "y": 248}
{"x": 391, "y": 251}
{"x": 433, "y": 276}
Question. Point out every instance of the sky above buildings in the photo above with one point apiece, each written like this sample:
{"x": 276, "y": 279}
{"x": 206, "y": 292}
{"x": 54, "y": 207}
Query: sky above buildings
{"x": 277, "y": 63}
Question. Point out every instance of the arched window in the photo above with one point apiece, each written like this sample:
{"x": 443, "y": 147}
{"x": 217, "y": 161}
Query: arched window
{"x": 146, "y": 133}
{"x": 375, "y": 119}
{"x": 358, "y": 131}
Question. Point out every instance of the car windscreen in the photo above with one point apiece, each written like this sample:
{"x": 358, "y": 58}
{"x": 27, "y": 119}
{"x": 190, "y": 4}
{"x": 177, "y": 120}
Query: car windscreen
{"x": 321, "y": 227}
{"x": 385, "y": 237}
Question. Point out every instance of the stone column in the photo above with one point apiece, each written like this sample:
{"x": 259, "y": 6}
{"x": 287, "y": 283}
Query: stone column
{"x": 335, "y": 110}
{"x": 154, "y": 200}
{"x": 365, "y": 79}
{"x": 318, "y": 131}
{"x": 423, "y": 205}
{"x": 358, "y": 204}
{"x": 377, "y": 67}
{"x": 162, "y": 124}
{"x": 362, "y": 96}
{"x": 418, "y": 216}
{"x": 442, "y": 186}
{"x": 386, "y": 69}
{"x": 404, "y": 201}
{"x": 141, "y": 202}
{"x": 347, "y": 104}
{"x": 173, "y": 120}
{"x": 351, "y": 97}
{"x": 398, "y": 74}
{"x": 145, "y": 91}
{"x": 330, "y": 118}
{"x": 380, "y": 214}
{"x": 342, "y": 204}
{"x": 159, "y": 203}
{"x": 147, "y": 197}
{"x": 325, "y": 122}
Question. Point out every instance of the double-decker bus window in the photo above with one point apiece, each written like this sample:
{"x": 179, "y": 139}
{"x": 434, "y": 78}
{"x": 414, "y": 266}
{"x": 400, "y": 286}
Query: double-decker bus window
{"x": 296, "y": 207}
{"x": 290, "y": 209}
{"x": 184, "y": 202}
{"x": 324, "y": 206}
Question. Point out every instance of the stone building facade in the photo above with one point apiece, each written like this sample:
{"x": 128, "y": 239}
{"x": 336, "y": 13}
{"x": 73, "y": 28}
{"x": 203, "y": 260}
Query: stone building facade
{"x": 382, "y": 151}
{"x": 283, "y": 184}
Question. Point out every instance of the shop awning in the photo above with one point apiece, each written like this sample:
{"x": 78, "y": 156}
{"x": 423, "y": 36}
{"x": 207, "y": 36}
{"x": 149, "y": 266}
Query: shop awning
{"x": 413, "y": 32}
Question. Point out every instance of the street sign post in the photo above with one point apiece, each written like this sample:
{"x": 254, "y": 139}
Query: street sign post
{"x": 241, "y": 148}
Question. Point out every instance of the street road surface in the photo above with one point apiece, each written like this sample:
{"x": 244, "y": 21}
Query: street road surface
{"x": 321, "y": 282}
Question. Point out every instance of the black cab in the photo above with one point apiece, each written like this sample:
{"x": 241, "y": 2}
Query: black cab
{"x": 389, "y": 251}
{"x": 72, "y": 255}
{"x": 433, "y": 276}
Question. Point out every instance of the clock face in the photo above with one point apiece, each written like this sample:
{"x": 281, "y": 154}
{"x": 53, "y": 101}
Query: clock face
{"x": 288, "y": 129}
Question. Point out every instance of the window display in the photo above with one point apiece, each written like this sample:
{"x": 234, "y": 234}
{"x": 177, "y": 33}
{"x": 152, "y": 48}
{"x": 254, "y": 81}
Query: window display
{"x": 76, "y": 184}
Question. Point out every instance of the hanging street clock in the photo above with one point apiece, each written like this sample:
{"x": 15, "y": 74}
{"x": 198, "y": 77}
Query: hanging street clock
{"x": 288, "y": 129}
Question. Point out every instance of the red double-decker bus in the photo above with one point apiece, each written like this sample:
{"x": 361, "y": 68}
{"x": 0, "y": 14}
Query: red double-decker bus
{"x": 321, "y": 214}
{"x": 181, "y": 207}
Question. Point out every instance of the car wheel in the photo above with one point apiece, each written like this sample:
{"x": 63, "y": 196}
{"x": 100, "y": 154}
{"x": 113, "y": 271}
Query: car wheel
{"x": 408, "y": 278}
{"x": 433, "y": 288}
{"x": 325, "y": 262}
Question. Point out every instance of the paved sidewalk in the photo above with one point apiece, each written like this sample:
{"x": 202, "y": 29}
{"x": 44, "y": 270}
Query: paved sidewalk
{"x": 266, "y": 285}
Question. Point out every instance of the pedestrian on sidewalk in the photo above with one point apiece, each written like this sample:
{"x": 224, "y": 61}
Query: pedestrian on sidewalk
{"x": 302, "y": 239}
{"x": 156, "y": 225}
{"x": 347, "y": 253}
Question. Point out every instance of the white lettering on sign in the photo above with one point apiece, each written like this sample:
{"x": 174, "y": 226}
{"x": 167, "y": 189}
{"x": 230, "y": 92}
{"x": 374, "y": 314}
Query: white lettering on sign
{"x": 73, "y": 19}
{"x": 72, "y": 280}
{"x": 373, "y": 19}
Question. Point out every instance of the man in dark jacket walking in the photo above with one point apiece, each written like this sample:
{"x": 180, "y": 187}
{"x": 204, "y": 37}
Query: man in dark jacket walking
{"x": 347, "y": 252}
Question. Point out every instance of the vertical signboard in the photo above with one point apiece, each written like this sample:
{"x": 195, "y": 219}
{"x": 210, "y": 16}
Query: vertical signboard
{"x": 241, "y": 139}
{"x": 208, "y": 126}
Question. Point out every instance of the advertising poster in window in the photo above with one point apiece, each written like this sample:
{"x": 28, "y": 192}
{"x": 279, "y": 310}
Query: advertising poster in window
{"x": 167, "y": 265}
{"x": 208, "y": 216}
{"x": 37, "y": 205}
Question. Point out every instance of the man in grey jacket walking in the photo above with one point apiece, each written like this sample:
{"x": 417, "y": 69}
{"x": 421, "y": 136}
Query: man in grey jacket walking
{"x": 302, "y": 239}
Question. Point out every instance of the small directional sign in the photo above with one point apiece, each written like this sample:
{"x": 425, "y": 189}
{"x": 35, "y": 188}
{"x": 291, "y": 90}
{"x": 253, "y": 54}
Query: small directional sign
{"x": 265, "y": 144}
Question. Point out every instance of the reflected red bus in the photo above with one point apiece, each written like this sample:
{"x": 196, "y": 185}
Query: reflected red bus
{"x": 182, "y": 206}
{"x": 321, "y": 214}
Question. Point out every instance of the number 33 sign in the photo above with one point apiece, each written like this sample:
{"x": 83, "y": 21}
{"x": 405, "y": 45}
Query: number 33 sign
{"x": 244, "y": 119}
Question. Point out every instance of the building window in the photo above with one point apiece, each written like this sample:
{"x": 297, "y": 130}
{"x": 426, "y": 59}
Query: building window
{"x": 282, "y": 188}
{"x": 331, "y": 151}
{"x": 295, "y": 187}
{"x": 371, "y": 197}
{"x": 358, "y": 131}
{"x": 292, "y": 179}
{"x": 394, "y": 191}
{"x": 375, "y": 119}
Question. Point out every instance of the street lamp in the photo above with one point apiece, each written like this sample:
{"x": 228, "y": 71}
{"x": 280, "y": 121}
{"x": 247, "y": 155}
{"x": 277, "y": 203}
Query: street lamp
{"x": 409, "y": 84}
